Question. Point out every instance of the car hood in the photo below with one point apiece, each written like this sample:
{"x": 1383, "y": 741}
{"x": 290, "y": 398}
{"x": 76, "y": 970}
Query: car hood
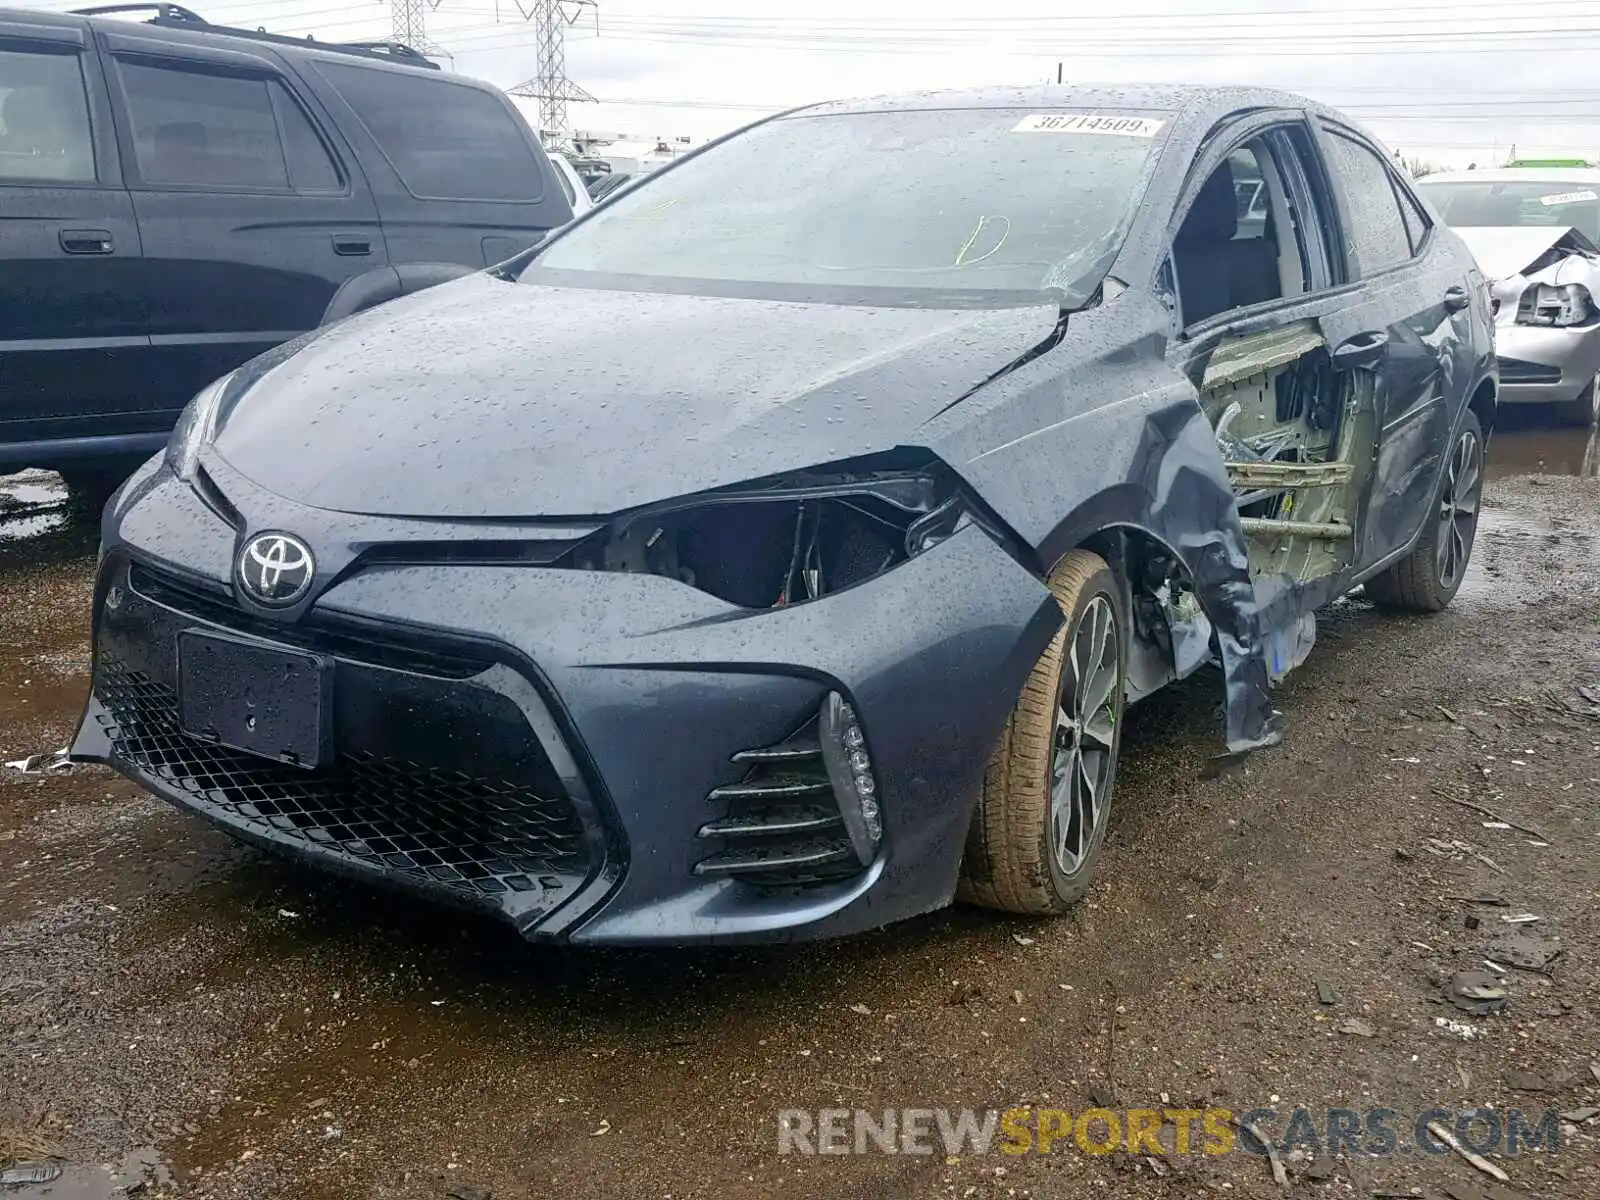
{"x": 484, "y": 398}
{"x": 1504, "y": 252}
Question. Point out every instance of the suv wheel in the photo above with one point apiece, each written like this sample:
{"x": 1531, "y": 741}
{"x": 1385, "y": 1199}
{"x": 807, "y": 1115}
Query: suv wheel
{"x": 1041, "y": 821}
{"x": 1428, "y": 578}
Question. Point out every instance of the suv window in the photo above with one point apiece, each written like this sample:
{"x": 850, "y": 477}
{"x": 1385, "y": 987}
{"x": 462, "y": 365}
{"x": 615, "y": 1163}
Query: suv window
{"x": 44, "y": 118}
{"x": 1377, "y": 237}
{"x": 311, "y": 168}
{"x": 446, "y": 141}
{"x": 196, "y": 128}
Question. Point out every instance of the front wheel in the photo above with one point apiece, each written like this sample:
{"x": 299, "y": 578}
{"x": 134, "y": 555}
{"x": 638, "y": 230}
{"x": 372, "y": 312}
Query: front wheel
{"x": 1041, "y": 821}
{"x": 1428, "y": 578}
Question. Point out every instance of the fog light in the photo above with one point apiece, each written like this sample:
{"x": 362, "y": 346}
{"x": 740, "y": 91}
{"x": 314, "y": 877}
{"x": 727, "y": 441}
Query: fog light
{"x": 844, "y": 751}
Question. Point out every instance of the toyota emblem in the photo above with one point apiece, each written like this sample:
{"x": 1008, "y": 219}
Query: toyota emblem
{"x": 276, "y": 569}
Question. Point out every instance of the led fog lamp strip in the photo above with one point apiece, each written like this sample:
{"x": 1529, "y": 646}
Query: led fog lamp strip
{"x": 844, "y": 752}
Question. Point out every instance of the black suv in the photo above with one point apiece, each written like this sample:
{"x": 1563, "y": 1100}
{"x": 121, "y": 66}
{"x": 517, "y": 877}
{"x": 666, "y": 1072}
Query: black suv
{"x": 177, "y": 197}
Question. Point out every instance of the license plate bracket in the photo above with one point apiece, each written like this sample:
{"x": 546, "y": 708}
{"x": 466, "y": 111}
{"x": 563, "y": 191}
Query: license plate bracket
{"x": 270, "y": 701}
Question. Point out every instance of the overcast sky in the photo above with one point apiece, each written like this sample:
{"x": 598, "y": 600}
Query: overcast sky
{"x": 1452, "y": 82}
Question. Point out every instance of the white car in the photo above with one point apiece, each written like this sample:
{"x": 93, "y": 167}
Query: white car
{"x": 571, "y": 183}
{"x": 1535, "y": 232}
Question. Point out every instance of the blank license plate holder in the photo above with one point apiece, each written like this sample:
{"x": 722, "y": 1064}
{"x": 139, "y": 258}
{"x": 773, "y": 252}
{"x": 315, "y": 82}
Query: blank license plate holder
{"x": 270, "y": 701}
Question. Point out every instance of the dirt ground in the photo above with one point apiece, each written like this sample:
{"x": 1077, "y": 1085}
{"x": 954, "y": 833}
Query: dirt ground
{"x": 180, "y": 1016}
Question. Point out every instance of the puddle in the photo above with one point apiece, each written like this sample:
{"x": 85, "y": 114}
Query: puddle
{"x": 137, "y": 1169}
{"x": 1521, "y": 448}
{"x": 31, "y": 503}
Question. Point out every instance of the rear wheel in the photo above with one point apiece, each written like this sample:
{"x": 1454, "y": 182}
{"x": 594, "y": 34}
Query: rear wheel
{"x": 1428, "y": 578}
{"x": 1041, "y": 821}
{"x": 1582, "y": 411}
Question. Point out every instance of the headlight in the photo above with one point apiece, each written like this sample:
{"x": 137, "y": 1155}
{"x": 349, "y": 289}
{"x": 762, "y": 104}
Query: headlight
{"x": 787, "y": 540}
{"x": 194, "y": 429}
{"x": 1559, "y": 305}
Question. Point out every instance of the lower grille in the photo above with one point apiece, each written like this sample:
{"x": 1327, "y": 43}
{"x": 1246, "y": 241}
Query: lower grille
{"x": 1516, "y": 370}
{"x": 781, "y": 824}
{"x": 480, "y": 837}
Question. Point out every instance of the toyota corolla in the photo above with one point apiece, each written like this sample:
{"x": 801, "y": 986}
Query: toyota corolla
{"x": 773, "y": 551}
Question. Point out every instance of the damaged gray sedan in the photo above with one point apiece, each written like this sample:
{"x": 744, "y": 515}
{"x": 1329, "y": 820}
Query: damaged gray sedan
{"x": 1535, "y": 232}
{"x": 773, "y": 551}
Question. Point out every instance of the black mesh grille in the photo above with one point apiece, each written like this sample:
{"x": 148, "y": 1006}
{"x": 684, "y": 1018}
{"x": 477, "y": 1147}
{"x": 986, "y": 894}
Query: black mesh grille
{"x": 483, "y": 837}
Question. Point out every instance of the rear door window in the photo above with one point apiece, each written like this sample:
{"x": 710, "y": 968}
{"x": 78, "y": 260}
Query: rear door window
{"x": 311, "y": 167}
{"x": 1378, "y": 237}
{"x": 193, "y": 127}
{"x": 44, "y": 118}
{"x": 1417, "y": 223}
{"x": 446, "y": 140}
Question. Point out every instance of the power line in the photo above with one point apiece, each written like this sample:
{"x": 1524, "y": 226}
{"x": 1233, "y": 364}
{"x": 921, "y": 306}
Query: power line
{"x": 1190, "y": 48}
{"x": 1211, "y": 34}
{"x": 1100, "y": 19}
{"x": 1382, "y": 24}
{"x": 1104, "y": 29}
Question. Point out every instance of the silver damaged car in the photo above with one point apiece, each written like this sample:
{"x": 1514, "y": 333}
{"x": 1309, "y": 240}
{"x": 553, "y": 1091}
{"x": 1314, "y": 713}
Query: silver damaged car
{"x": 1536, "y": 235}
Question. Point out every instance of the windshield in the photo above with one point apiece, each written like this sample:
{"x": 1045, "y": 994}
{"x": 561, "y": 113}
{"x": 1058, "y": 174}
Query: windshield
{"x": 919, "y": 207}
{"x": 1518, "y": 203}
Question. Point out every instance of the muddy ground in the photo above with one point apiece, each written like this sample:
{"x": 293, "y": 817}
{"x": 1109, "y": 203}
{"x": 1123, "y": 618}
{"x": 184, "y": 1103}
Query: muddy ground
{"x": 185, "y": 1017}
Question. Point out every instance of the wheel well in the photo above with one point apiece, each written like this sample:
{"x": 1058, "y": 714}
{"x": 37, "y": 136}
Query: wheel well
{"x": 1484, "y": 405}
{"x": 1141, "y": 560}
{"x": 1154, "y": 578}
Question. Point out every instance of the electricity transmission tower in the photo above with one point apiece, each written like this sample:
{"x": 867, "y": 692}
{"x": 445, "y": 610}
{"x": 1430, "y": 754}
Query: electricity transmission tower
{"x": 410, "y": 27}
{"x": 550, "y": 85}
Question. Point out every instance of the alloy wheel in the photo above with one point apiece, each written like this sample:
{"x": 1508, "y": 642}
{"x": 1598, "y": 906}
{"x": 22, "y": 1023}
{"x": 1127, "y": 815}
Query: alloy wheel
{"x": 1458, "y": 507}
{"x": 1085, "y": 736}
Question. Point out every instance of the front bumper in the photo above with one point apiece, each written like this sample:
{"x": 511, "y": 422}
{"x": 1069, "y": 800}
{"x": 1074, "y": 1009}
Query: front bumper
{"x": 1541, "y": 365}
{"x": 548, "y": 745}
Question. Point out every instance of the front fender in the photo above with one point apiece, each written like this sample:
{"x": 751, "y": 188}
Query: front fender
{"x": 1175, "y": 490}
{"x": 1117, "y": 438}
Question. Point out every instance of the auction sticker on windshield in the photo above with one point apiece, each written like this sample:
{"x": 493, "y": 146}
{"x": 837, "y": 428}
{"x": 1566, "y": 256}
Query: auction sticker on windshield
{"x": 1142, "y": 127}
{"x": 1568, "y": 198}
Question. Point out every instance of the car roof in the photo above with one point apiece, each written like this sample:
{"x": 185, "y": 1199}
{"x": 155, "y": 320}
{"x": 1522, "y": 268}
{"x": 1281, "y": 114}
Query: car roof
{"x": 1133, "y": 97}
{"x": 1517, "y": 175}
{"x": 199, "y": 32}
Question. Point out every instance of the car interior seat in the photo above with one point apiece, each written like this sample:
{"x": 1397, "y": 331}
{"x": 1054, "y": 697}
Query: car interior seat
{"x": 1216, "y": 270}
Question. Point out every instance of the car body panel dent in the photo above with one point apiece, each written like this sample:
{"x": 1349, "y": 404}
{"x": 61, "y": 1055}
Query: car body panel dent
{"x": 1541, "y": 363}
{"x": 1120, "y": 434}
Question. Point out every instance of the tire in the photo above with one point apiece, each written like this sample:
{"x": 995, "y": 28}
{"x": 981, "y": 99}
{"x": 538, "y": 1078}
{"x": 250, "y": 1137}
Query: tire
{"x": 1427, "y": 579}
{"x": 1012, "y": 861}
{"x": 1583, "y": 410}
